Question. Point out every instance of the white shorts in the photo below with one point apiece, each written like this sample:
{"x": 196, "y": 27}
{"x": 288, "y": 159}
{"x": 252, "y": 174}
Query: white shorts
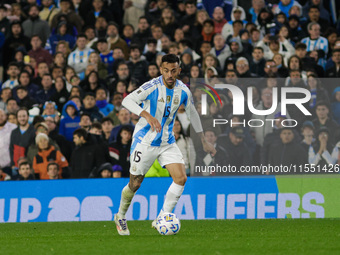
{"x": 143, "y": 156}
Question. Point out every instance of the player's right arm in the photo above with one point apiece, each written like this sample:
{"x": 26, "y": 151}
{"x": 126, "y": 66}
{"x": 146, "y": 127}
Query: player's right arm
{"x": 132, "y": 102}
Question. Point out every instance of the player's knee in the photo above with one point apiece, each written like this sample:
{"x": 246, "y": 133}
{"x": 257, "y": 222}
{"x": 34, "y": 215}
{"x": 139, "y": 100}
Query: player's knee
{"x": 181, "y": 180}
{"x": 135, "y": 185}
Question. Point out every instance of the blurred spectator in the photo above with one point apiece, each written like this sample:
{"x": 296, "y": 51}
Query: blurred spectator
{"x": 101, "y": 101}
{"x": 124, "y": 117}
{"x": 45, "y": 155}
{"x": 61, "y": 34}
{"x": 86, "y": 156}
{"x": 336, "y": 104}
{"x": 21, "y": 137}
{"x": 334, "y": 72}
{"x": 105, "y": 54}
{"x": 120, "y": 150}
{"x": 12, "y": 106}
{"x": 25, "y": 81}
{"x": 48, "y": 90}
{"x": 95, "y": 61}
{"x": 219, "y": 19}
{"x": 133, "y": 9}
{"x": 315, "y": 41}
{"x": 266, "y": 103}
{"x": 143, "y": 32}
{"x": 25, "y": 172}
{"x": 97, "y": 11}
{"x": 104, "y": 171}
{"x": 6, "y": 94}
{"x": 276, "y": 44}
{"x": 35, "y": 26}
{"x": 295, "y": 31}
{"x": 314, "y": 16}
{"x": 4, "y": 176}
{"x": 61, "y": 95}
{"x": 107, "y": 125}
{"x": 287, "y": 151}
{"x": 324, "y": 119}
{"x": 203, "y": 159}
{"x": 323, "y": 152}
{"x": 67, "y": 13}
{"x": 258, "y": 62}
{"x": 115, "y": 41}
{"x": 69, "y": 121}
{"x": 25, "y": 100}
{"x": 78, "y": 59}
{"x": 12, "y": 118}
{"x": 85, "y": 121}
{"x": 40, "y": 127}
{"x": 89, "y": 107}
{"x": 220, "y": 50}
{"x": 5, "y": 133}
{"x": 42, "y": 69}
{"x": 307, "y": 132}
{"x": 53, "y": 171}
{"x": 117, "y": 103}
{"x": 319, "y": 3}
{"x": 12, "y": 72}
{"x": 186, "y": 147}
{"x": 137, "y": 65}
{"x": 4, "y": 22}
{"x": 48, "y": 11}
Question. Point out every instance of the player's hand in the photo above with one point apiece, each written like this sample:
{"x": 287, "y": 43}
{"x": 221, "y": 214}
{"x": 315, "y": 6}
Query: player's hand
{"x": 153, "y": 122}
{"x": 209, "y": 148}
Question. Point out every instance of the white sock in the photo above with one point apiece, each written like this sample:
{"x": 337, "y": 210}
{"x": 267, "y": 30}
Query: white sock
{"x": 172, "y": 196}
{"x": 125, "y": 201}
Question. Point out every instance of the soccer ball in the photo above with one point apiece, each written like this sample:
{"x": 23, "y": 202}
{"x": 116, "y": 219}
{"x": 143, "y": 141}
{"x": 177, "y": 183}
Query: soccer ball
{"x": 168, "y": 224}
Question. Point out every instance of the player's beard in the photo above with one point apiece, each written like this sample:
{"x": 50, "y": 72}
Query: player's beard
{"x": 3, "y": 123}
{"x": 170, "y": 85}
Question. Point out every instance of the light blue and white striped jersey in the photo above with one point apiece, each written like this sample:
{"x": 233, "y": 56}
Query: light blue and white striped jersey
{"x": 162, "y": 103}
{"x": 319, "y": 44}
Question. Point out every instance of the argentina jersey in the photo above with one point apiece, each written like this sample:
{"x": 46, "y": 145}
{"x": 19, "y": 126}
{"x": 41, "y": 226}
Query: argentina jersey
{"x": 162, "y": 103}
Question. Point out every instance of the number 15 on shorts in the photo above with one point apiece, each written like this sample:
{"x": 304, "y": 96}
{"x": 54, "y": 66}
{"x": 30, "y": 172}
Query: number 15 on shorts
{"x": 136, "y": 156}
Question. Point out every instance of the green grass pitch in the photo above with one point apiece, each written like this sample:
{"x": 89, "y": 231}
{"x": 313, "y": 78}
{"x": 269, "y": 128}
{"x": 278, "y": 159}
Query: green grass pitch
{"x": 286, "y": 236}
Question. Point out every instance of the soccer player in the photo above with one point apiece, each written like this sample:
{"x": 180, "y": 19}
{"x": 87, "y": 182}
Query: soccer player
{"x": 153, "y": 137}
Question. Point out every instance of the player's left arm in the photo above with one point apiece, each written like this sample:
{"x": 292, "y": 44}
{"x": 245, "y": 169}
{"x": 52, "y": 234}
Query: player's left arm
{"x": 196, "y": 123}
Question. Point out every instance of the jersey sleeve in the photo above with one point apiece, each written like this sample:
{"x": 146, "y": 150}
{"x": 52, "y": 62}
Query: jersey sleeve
{"x": 192, "y": 113}
{"x": 134, "y": 99}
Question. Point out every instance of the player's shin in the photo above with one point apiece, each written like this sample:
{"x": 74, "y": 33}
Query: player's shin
{"x": 172, "y": 196}
{"x": 125, "y": 201}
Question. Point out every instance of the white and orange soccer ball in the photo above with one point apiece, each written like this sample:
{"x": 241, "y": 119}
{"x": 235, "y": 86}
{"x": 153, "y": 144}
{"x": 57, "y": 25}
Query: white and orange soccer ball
{"x": 168, "y": 224}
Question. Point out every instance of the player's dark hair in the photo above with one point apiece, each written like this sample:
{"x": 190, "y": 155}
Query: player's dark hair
{"x": 170, "y": 58}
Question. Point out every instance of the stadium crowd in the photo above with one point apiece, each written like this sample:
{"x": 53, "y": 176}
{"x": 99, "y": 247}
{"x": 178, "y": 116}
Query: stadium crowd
{"x": 65, "y": 67}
